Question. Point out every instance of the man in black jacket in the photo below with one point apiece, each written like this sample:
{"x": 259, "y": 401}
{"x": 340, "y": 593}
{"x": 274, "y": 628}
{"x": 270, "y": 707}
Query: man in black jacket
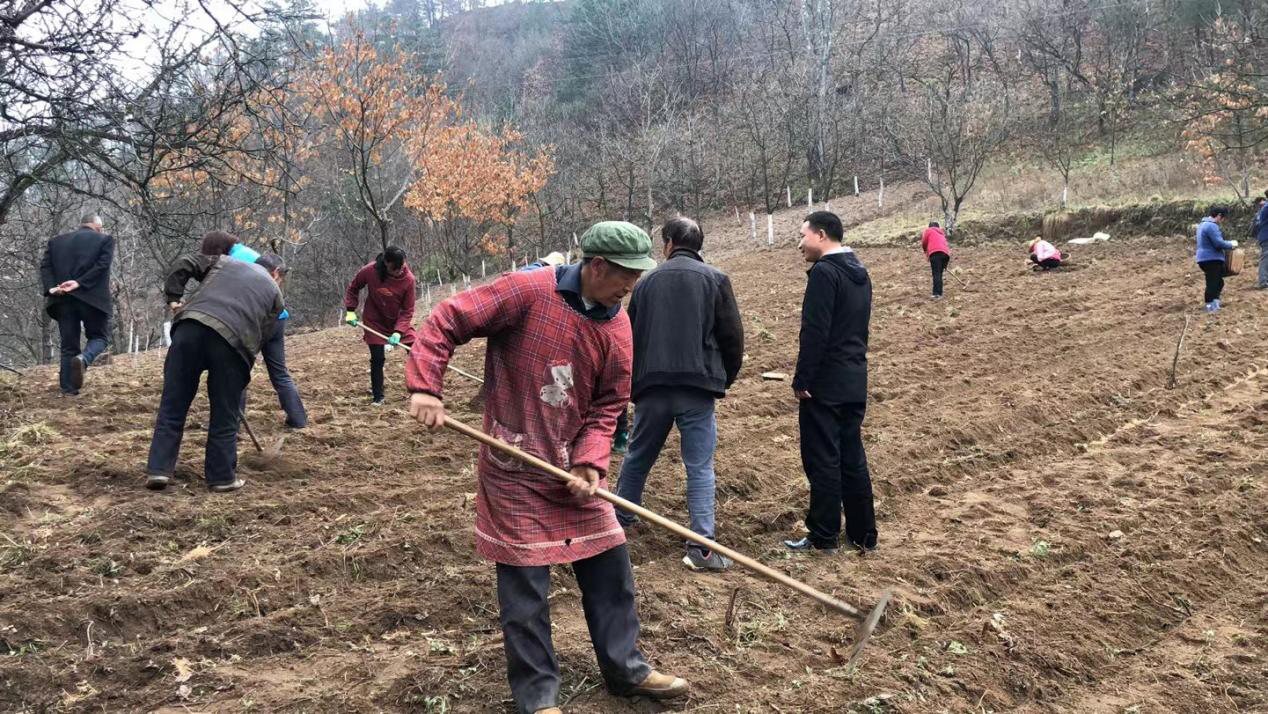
{"x": 688, "y": 345}
{"x": 75, "y": 274}
{"x": 218, "y": 330}
{"x": 831, "y": 384}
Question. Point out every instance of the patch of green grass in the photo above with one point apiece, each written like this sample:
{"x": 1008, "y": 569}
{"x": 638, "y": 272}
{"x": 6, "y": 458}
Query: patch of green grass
{"x": 215, "y": 526}
{"x": 14, "y": 554}
{"x": 352, "y": 535}
{"x": 22, "y": 649}
{"x": 105, "y": 567}
{"x": 751, "y": 632}
{"x": 1040, "y": 549}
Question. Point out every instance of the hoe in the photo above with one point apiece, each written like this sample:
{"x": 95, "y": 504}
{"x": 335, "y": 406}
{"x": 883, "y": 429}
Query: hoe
{"x": 867, "y": 620}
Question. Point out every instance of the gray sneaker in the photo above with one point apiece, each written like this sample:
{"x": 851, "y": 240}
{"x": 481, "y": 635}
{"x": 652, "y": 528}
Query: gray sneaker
{"x": 230, "y": 487}
{"x": 697, "y": 559}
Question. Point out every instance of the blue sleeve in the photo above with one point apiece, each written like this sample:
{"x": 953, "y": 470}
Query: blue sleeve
{"x": 1217, "y": 238}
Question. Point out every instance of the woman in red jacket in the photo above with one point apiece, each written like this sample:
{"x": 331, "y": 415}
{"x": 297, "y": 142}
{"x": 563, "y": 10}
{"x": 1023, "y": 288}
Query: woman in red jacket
{"x": 389, "y": 308}
{"x": 934, "y": 242}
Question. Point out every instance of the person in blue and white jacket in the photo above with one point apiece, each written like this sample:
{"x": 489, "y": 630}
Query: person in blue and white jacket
{"x": 1210, "y": 255}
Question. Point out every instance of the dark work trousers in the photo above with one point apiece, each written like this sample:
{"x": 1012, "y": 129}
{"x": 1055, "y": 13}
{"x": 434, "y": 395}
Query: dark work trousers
{"x": 1048, "y": 264}
{"x": 195, "y": 349}
{"x": 938, "y": 263}
{"x": 1214, "y": 272}
{"x": 623, "y": 421}
{"x": 71, "y": 314}
{"x": 274, "y": 353}
{"x": 377, "y": 358}
{"x": 607, "y": 597}
{"x": 832, "y": 455}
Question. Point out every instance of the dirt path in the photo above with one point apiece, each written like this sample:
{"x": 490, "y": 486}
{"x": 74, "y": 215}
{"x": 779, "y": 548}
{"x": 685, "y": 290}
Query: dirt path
{"x": 1062, "y": 532}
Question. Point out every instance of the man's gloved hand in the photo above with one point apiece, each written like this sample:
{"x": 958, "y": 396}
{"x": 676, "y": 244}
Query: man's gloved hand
{"x": 351, "y": 318}
{"x": 1234, "y": 243}
{"x": 395, "y": 339}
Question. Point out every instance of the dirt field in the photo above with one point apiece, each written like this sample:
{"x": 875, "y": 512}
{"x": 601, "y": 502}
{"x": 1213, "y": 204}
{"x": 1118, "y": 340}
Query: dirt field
{"x": 1062, "y": 532}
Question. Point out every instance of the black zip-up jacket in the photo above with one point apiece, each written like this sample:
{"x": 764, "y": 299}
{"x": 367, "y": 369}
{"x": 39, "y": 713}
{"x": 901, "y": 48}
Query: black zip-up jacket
{"x": 687, "y": 329}
{"x": 836, "y": 310}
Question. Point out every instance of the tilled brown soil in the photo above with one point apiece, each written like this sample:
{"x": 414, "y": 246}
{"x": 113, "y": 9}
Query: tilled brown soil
{"x": 1062, "y": 532}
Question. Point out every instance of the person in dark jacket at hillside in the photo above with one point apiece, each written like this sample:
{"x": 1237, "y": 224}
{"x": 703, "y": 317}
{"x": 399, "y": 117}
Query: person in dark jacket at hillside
{"x": 75, "y": 275}
{"x": 1211, "y": 256}
{"x": 389, "y": 309}
{"x": 688, "y": 346}
{"x": 218, "y": 330}
{"x": 831, "y": 384}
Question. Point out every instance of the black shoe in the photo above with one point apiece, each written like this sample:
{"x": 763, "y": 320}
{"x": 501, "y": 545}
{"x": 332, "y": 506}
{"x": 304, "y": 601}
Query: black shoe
{"x": 77, "y": 367}
{"x": 805, "y": 545}
{"x": 857, "y": 546}
{"x": 378, "y": 402}
{"x": 157, "y": 482}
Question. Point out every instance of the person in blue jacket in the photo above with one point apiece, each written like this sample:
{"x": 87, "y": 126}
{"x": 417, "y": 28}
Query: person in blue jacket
{"x": 1259, "y": 231}
{"x": 1210, "y": 255}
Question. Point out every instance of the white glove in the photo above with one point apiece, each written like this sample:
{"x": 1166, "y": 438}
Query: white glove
{"x": 1234, "y": 243}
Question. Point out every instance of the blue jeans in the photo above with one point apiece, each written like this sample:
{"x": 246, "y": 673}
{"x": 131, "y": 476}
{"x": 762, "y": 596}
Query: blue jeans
{"x": 657, "y": 411}
{"x": 71, "y": 313}
{"x": 274, "y": 353}
{"x": 1263, "y": 265}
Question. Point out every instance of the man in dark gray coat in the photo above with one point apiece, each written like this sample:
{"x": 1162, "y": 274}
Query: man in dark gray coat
{"x": 217, "y": 330}
{"x": 688, "y": 346}
{"x": 75, "y": 274}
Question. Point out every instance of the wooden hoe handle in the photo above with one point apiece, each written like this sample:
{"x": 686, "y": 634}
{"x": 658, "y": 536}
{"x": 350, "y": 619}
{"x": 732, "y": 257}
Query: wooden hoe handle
{"x": 659, "y": 520}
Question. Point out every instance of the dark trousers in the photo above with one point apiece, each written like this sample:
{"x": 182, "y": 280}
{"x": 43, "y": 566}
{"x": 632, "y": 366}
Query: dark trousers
{"x": 607, "y": 597}
{"x": 1214, "y": 272}
{"x": 832, "y": 455}
{"x": 1048, "y": 264}
{"x": 938, "y": 263}
{"x": 195, "y": 349}
{"x": 71, "y": 314}
{"x": 623, "y": 421}
{"x": 274, "y": 353}
{"x": 377, "y": 358}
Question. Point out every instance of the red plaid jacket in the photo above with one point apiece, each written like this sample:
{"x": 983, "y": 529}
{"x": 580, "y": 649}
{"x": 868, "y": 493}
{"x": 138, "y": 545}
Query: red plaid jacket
{"x": 555, "y": 382}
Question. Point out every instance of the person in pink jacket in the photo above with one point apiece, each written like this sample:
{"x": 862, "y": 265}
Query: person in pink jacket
{"x": 1044, "y": 255}
{"x": 934, "y": 242}
{"x": 389, "y": 309}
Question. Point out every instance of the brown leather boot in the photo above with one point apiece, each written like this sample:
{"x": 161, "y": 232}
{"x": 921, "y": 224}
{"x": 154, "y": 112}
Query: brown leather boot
{"x": 661, "y": 686}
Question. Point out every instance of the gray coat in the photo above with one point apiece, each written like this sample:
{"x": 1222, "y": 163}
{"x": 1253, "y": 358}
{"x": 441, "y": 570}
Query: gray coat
{"x": 240, "y": 301}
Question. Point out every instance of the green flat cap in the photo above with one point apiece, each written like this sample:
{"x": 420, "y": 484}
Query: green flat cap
{"x": 619, "y": 242}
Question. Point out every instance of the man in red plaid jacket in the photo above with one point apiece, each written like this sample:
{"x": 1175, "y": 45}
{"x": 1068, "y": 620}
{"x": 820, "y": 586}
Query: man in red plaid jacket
{"x": 557, "y": 374}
